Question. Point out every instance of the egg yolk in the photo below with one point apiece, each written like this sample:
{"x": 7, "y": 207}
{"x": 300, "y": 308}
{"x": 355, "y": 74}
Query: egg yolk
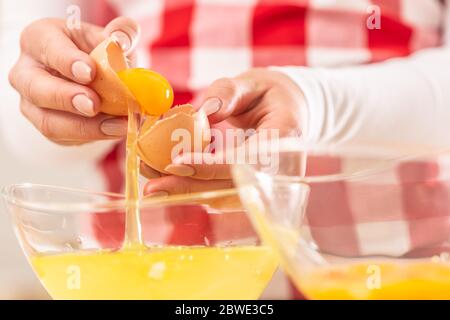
{"x": 151, "y": 90}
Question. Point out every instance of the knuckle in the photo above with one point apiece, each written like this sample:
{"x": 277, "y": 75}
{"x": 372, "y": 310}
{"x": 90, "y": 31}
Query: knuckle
{"x": 126, "y": 24}
{"x": 59, "y": 100}
{"x": 61, "y": 143}
{"x": 209, "y": 174}
{"x": 23, "y": 40}
{"x": 30, "y": 90}
{"x": 82, "y": 128}
{"x": 213, "y": 175}
{"x": 45, "y": 126}
{"x": 254, "y": 71}
{"x": 258, "y": 69}
{"x": 30, "y": 30}
{"x": 23, "y": 108}
{"x": 60, "y": 60}
{"x": 124, "y": 21}
{"x": 182, "y": 185}
{"x": 228, "y": 85}
{"x": 40, "y": 22}
{"x": 12, "y": 77}
{"x": 45, "y": 51}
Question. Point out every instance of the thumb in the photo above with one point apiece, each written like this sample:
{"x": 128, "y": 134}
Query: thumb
{"x": 125, "y": 31}
{"x": 230, "y": 97}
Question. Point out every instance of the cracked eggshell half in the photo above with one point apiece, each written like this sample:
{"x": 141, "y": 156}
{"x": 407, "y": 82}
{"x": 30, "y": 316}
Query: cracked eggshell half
{"x": 162, "y": 140}
{"x": 115, "y": 96}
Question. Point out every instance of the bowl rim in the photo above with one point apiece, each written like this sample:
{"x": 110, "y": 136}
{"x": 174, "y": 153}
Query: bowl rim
{"x": 388, "y": 155}
{"x": 103, "y": 206}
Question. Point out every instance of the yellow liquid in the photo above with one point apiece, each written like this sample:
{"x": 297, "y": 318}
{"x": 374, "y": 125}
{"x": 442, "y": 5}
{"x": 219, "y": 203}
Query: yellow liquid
{"x": 410, "y": 281}
{"x": 155, "y": 96}
{"x": 133, "y": 232}
{"x": 363, "y": 281}
{"x": 158, "y": 273}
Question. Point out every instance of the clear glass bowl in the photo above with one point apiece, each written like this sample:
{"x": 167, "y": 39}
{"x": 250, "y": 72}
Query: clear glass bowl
{"x": 198, "y": 246}
{"x": 355, "y": 222}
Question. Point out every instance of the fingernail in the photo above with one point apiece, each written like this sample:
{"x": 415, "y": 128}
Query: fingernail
{"x": 212, "y": 105}
{"x": 157, "y": 194}
{"x": 114, "y": 127}
{"x": 81, "y": 71}
{"x": 122, "y": 39}
{"x": 181, "y": 170}
{"x": 82, "y": 103}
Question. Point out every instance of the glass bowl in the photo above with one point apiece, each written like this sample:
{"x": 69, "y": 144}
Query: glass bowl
{"x": 359, "y": 222}
{"x": 198, "y": 246}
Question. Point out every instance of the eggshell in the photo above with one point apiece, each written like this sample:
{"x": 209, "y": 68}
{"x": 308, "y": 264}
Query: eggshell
{"x": 115, "y": 96}
{"x": 155, "y": 143}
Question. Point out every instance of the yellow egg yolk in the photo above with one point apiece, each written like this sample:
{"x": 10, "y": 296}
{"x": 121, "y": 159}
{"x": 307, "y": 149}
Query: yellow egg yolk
{"x": 151, "y": 90}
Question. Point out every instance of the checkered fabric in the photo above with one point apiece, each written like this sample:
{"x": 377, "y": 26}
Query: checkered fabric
{"x": 403, "y": 209}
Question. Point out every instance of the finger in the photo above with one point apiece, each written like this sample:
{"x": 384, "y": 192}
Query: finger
{"x": 48, "y": 42}
{"x": 125, "y": 31}
{"x": 66, "y": 127}
{"x": 148, "y": 172}
{"x": 288, "y": 121}
{"x": 230, "y": 96}
{"x": 47, "y": 91}
{"x": 203, "y": 166}
{"x": 170, "y": 185}
{"x": 259, "y": 148}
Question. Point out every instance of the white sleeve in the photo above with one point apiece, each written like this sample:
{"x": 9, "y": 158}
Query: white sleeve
{"x": 20, "y": 137}
{"x": 401, "y": 100}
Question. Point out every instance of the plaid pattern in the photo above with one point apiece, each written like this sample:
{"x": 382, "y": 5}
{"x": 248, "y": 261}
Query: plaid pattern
{"x": 401, "y": 210}
{"x": 195, "y": 42}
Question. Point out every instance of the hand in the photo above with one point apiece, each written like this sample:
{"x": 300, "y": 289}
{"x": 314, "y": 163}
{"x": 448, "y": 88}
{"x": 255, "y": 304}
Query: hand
{"x": 259, "y": 99}
{"x": 51, "y": 75}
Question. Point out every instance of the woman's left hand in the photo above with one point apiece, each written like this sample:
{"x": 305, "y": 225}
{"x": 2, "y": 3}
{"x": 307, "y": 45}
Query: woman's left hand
{"x": 259, "y": 99}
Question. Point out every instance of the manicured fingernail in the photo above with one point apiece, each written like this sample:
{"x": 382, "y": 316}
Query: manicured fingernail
{"x": 181, "y": 170}
{"x": 114, "y": 127}
{"x": 122, "y": 39}
{"x": 82, "y": 103}
{"x": 212, "y": 105}
{"x": 157, "y": 194}
{"x": 81, "y": 71}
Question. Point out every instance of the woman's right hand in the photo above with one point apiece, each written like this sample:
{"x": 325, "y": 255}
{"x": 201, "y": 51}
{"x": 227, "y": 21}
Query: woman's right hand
{"x": 52, "y": 76}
